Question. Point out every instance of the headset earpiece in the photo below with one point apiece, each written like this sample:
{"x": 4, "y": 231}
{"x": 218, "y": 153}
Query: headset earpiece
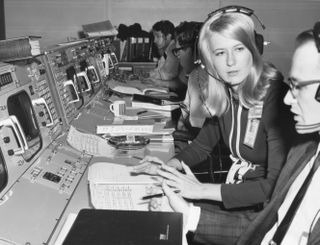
{"x": 259, "y": 42}
{"x": 317, "y": 96}
{"x": 316, "y": 34}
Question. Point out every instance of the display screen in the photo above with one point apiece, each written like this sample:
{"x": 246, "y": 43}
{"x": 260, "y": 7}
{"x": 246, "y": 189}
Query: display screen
{"x": 92, "y": 75}
{"x": 52, "y": 177}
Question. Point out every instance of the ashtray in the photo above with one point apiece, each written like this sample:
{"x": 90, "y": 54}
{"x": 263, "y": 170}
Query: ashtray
{"x": 128, "y": 142}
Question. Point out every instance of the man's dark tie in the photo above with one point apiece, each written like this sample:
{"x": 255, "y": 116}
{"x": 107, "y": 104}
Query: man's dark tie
{"x": 285, "y": 223}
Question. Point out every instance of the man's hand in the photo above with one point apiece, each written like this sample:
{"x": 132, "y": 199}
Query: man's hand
{"x": 176, "y": 202}
{"x": 188, "y": 185}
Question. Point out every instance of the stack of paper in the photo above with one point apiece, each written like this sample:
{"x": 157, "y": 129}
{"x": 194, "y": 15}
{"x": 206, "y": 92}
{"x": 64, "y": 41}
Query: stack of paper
{"x": 135, "y": 87}
{"x": 151, "y": 106}
{"x": 104, "y": 28}
{"x": 19, "y": 48}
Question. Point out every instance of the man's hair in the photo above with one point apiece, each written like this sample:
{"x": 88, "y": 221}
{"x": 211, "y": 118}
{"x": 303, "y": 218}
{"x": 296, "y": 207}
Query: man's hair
{"x": 165, "y": 26}
{"x": 304, "y": 37}
{"x": 186, "y": 33}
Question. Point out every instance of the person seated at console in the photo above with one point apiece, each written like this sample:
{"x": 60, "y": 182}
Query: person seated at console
{"x": 166, "y": 74}
{"x": 193, "y": 115}
{"x": 163, "y": 38}
{"x": 244, "y": 97}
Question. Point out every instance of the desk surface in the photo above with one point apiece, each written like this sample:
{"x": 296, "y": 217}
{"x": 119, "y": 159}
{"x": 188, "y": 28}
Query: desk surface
{"x": 87, "y": 121}
{"x": 81, "y": 196}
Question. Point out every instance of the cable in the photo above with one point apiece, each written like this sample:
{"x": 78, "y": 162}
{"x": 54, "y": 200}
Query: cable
{"x": 312, "y": 223}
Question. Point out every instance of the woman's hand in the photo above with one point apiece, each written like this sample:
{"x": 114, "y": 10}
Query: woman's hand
{"x": 187, "y": 183}
{"x": 174, "y": 163}
{"x": 148, "y": 165}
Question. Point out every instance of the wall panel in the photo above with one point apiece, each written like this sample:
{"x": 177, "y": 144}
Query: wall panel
{"x": 55, "y": 20}
{"x": 147, "y": 12}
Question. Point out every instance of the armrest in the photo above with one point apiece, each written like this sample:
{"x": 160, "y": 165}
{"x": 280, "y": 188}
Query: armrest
{"x": 181, "y": 135}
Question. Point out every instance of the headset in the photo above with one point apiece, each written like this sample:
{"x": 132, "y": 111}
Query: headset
{"x": 243, "y": 10}
{"x": 316, "y": 35}
{"x": 232, "y": 9}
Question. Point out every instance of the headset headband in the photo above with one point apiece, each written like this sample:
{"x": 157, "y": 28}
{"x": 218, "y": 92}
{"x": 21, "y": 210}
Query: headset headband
{"x": 316, "y": 34}
{"x": 236, "y": 9}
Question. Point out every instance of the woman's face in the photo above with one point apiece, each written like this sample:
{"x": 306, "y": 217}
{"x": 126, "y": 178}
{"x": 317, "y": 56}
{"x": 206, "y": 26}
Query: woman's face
{"x": 230, "y": 58}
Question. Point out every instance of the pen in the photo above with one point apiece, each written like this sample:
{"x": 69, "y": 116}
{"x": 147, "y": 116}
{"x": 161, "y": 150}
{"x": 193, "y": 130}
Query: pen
{"x": 140, "y": 158}
{"x": 157, "y": 195}
{"x": 141, "y": 112}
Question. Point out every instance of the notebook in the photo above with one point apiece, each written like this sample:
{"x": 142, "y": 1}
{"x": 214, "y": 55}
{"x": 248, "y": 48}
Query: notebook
{"x": 119, "y": 227}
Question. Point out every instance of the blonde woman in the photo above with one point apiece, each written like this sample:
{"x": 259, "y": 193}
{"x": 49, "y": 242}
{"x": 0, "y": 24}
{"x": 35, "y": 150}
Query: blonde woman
{"x": 244, "y": 97}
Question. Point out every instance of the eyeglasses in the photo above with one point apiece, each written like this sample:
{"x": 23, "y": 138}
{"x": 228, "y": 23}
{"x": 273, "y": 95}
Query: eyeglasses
{"x": 175, "y": 51}
{"x": 294, "y": 85}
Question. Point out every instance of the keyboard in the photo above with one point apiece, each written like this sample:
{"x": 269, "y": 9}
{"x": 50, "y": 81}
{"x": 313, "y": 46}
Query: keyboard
{"x": 121, "y": 196}
{"x": 89, "y": 143}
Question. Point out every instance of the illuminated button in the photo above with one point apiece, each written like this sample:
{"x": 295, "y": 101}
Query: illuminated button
{"x": 52, "y": 177}
{"x": 6, "y": 140}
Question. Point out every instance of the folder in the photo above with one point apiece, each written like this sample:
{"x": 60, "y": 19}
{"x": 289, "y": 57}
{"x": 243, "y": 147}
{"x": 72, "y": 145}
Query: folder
{"x": 170, "y": 100}
{"x": 118, "y": 227}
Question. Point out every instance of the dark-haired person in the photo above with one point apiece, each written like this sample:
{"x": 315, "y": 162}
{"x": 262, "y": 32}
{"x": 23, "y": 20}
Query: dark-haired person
{"x": 245, "y": 100}
{"x": 193, "y": 115}
{"x": 168, "y": 64}
{"x": 167, "y": 72}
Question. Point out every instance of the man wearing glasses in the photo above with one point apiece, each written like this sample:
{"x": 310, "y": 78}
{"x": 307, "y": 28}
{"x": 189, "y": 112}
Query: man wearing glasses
{"x": 292, "y": 215}
{"x": 193, "y": 114}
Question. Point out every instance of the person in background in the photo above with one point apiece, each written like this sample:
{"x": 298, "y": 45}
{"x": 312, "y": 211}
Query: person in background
{"x": 166, "y": 74}
{"x": 292, "y": 215}
{"x": 245, "y": 100}
{"x": 168, "y": 64}
{"x": 193, "y": 115}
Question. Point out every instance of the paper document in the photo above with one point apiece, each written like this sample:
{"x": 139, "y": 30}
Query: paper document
{"x": 112, "y": 186}
{"x": 111, "y": 173}
{"x": 136, "y": 129}
{"x": 138, "y": 104}
{"x": 135, "y": 87}
{"x": 89, "y": 143}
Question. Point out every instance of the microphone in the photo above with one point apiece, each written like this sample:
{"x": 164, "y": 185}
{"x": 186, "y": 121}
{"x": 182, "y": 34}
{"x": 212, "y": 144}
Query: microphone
{"x": 310, "y": 128}
{"x": 229, "y": 85}
{"x": 198, "y": 62}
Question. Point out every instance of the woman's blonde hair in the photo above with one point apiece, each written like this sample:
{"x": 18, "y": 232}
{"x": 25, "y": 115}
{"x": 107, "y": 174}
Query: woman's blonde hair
{"x": 237, "y": 26}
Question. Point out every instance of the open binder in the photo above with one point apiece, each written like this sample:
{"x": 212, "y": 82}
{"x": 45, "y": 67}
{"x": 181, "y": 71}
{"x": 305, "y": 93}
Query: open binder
{"x": 118, "y": 227}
